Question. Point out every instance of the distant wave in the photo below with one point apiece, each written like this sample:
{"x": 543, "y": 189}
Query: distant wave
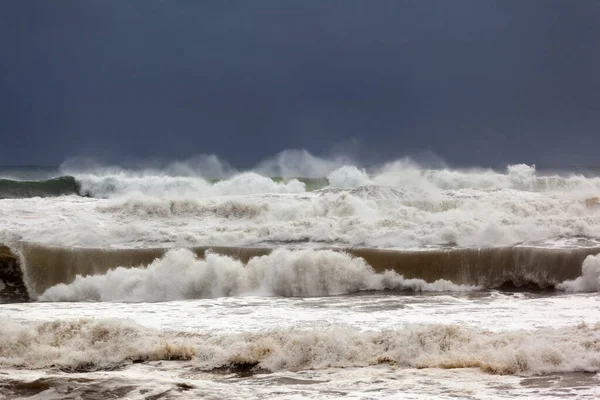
{"x": 108, "y": 186}
{"x": 88, "y": 345}
{"x": 402, "y": 174}
{"x": 159, "y": 185}
{"x": 63, "y": 185}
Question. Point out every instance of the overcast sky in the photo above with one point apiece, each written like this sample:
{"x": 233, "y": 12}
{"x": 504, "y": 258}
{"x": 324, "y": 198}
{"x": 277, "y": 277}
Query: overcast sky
{"x": 474, "y": 82}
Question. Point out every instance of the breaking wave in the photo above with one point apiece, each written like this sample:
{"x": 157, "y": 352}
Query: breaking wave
{"x": 158, "y": 274}
{"x": 124, "y": 183}
{"x": 180, "y": 275}
{"x": 287, "y": 172}
{"x": 85, "y": 345}
{"x": 589, "y": 281}
{"x": 399, "y": 174}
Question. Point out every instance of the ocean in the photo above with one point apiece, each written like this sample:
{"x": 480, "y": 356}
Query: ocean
{"x": 315, "y": 281}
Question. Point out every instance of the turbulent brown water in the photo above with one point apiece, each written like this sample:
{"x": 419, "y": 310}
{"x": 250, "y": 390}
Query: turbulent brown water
{"x": 30, "y": 269}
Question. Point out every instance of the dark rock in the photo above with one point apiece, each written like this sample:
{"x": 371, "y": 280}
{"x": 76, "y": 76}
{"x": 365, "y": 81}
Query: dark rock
{"x": 11, "y": 276}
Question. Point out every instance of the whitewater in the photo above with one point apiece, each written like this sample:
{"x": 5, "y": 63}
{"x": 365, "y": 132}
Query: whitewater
{"x": 302, "y": 277}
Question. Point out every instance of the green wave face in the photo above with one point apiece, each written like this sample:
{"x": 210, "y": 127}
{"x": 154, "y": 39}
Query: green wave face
{"x": 64, "y": 185}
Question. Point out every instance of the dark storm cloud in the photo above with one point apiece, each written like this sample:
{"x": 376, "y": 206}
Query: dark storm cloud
{"x": 476, "y": 82}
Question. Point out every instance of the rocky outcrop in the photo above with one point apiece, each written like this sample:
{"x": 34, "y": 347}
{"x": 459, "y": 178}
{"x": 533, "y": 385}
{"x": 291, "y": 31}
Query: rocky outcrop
{"x": 11, "y": 277}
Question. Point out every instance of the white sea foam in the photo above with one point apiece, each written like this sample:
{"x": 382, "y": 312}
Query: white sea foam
{"x": 589, "y": 281}
{"x": 398, "y": 205}
{"x": 151, "y": 207}
{"x": 181, "y": 275}
{"x": 348, "y": 176}
{"x": 193, "y": 176}
{"x": 522, "y": 177}
{"x": 93, "y": 344}
{"x": 367, "y": 215}
{"x": 122, "y": 184}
